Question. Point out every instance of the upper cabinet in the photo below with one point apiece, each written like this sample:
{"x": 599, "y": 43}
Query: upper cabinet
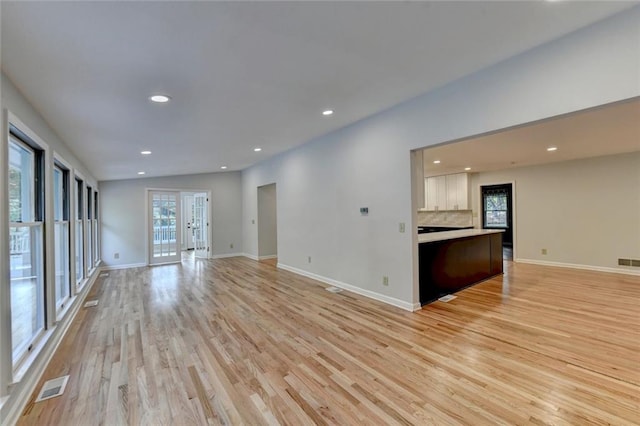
{"x": 458, "y": 191}
{"x": 449, "y": 192}
{"x": 435, "y": 193}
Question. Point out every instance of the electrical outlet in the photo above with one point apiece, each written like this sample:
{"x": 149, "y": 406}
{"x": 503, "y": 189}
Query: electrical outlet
{"x": 543, "y": 251}
{"x": 401, "y": 227}
{"x": 385, "y": 280}
{"x": 116, "y": 255}
{"x": 231, "y": 245}
{"x": 309, "y": 259}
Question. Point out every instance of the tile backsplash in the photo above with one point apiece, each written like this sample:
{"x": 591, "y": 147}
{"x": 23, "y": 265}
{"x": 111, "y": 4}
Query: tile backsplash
{"x": 445, "y": 218}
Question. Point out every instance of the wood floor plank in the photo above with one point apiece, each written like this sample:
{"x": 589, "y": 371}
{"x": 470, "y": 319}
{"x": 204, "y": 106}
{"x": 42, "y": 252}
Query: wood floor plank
{"x": 234, "y": 341}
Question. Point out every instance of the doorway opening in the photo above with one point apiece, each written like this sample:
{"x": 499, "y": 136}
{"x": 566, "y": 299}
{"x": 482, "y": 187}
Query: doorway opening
{"x": 267, "y": 224}
{"x": 497, "y": 213}
{"x": 178, "y": 221}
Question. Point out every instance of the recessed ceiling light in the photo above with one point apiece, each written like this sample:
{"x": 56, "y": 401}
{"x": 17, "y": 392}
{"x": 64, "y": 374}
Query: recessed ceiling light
{"x": 436, "y": 162}
{"x": 327, "y": 112}
{"x": 257, "y": 149}
{"x": 224, "y": 167}
{"x": 159, "y": 98}
{"x": 552, "y": 148}
{"x": 140, "y": 173}
{"x": 467, "y": 168}
{"x": 145, "y": 152}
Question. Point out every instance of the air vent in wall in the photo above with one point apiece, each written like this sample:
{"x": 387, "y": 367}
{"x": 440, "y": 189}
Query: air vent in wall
{"x": 629, "y": 262}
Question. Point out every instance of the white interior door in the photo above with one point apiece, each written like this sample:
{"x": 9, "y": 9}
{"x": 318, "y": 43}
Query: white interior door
{"x": 201, "y": 225}
{"x": 164, "y": 227}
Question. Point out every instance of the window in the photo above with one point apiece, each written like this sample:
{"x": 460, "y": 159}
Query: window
{"x": 79, "y": 231}
{"x": 61, "y": 235}
{"x": 495, "y": 210}
{"x": 496, "y": 206}
{"x": 94, "y": 226}
{"x": 26, "y": 236}
{"x": 89, "y": 247}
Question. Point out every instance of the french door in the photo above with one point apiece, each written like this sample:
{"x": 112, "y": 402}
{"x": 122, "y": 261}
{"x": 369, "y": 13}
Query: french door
{"x": 164, "y": 227}
{"x": 201, "y": 225}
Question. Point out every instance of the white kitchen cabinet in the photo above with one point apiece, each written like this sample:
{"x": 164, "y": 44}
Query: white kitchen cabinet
{"x": 436, "y": 193}
{"x": 448, "y": 192}
{"x": 458, "y": 191}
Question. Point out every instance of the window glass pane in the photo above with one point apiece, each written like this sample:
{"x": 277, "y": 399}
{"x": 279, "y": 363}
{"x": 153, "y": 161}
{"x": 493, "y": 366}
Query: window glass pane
{"x": 61, "y": 236}
{"x": 79, "y": 231}
{"x": 79, "y": 251}
{"x": 79, "y": 199}
{"x": 496, "y": 202}
{"x": 61, "y": 231}
{"x": 57, "y": 194}
{"x": 89, "y": 244}
{"x": 26, "y": 286}
{"x": 94, "y": 228}
{"x": 89, "y": 247}
{"x": 21, "y": 178}
{"x": 496, "y": 218}
{"x": 89, "y": 209}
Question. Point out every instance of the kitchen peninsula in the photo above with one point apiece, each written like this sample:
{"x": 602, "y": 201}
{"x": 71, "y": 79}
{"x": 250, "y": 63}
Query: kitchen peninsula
{"x": 452, "y": 260}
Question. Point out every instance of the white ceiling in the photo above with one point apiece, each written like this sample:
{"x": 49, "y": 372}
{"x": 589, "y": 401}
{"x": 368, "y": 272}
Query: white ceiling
{"x": 246, "y": 74}
{"x": 606, "y": 130}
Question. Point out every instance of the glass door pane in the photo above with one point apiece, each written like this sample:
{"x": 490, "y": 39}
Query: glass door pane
{"x": 164, "y": 221}
{"x": 200, "y": 225}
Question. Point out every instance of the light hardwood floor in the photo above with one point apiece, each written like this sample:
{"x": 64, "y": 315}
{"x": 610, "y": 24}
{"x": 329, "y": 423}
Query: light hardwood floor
{"x": 234, "y": 341}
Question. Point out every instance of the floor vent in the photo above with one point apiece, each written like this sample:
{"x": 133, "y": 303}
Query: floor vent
{"x": 91, "y": 304}
{"x": 447, "y": 298}
{"x": 334, "y": 289}
{"x": 103, "y": 275}
{"x": 52, "y": 388}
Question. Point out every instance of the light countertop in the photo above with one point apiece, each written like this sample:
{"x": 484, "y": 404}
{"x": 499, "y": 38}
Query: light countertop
{"x": 452, "y": 235}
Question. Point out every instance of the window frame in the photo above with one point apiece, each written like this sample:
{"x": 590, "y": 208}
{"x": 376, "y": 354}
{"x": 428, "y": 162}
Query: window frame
{"x": 79, "y": 215}
{"x": 67, "y": 198}
{"x": 89, "y": 260}
{"x": 18, "y": 132}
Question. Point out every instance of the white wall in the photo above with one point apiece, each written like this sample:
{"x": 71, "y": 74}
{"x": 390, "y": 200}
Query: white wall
{"x": 12, "y": 399}
{"x": 267, "y": 221}
{"x": 584, "y": 212}
{"x": 322, "y": 184}
{"x": 124, "y": 222}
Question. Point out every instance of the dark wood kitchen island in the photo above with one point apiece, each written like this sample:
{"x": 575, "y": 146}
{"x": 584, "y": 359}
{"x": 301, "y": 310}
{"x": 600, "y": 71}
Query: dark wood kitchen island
{"x": 452, "y": 260}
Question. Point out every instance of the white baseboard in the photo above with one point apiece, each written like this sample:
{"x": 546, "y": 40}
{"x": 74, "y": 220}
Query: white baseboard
{"x": 17, "y": 400}
{"x": 367, "y": 293}
{"x": 579, "y": 266}
{"x": 223, "y": 256}
{"x": 250, "y": 256}
{"x": 127, "y": 266}
{"x": 273, "y": 256}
